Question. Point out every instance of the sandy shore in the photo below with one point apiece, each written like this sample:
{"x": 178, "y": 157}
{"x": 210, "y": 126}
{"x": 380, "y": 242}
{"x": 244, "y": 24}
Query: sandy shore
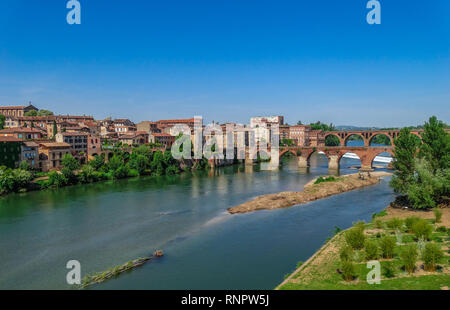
{"x": 310, "y": 193}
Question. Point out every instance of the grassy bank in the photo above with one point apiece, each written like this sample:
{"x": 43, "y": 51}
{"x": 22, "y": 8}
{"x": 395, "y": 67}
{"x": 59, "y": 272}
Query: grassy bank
{"x": 406, "y": 246}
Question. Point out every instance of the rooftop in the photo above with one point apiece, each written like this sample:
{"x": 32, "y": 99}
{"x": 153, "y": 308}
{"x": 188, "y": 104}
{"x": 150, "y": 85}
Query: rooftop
{"x": 9, "y": 139}
{"x": 54, "y": 144}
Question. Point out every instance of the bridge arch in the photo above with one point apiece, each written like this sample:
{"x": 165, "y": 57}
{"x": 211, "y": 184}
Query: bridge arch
{"x": 382, "y": 139}
{"x": 384, "y": 152}
{"x": 332, "y": 139}
{"x": 347, "y": 139}
{"x": 349, "y": 159}
{"x": 286, "y": 151}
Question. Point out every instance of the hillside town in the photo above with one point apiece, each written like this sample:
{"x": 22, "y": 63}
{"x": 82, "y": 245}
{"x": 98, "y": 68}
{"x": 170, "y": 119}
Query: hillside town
{"x": 42, "y": 139}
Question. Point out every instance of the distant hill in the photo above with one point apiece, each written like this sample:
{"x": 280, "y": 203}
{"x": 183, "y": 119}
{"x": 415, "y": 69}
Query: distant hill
{"x": 349, "y": 127}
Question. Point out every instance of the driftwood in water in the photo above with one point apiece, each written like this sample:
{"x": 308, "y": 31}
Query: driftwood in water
{"x": 103, "y": 276}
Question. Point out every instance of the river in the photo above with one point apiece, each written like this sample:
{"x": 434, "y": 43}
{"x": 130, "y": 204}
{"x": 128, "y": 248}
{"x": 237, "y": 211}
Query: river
{"x": 106, "y": 224}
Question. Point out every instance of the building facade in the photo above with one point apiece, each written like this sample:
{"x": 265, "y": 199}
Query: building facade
{"x": 51, "y": 154}
{"x": 17, "y": 110}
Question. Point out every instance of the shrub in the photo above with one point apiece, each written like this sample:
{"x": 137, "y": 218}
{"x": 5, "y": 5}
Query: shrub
{"x": 441, "y": 229}
{"x": 121, "y": 172}
{"x": 325, "y": 179}
{"x": 389, "y": 269}
{"x": 346, "y": 253}
{"x": 409, "y": 257}
{"x": 371, "y": 249}
{"x": 348, "y": 270}
{"x": 387, "y": 246}
{"x": 431, "y": 256}
{"x": 394, "y": 223}
{"x": 422, "y": 229}
{"x": 133, "y": 173}
{"x": 410, "y": 221}
{"x": 355, "y": 236}
{"x": 87, "y": 174}
{"x": 378, "y": 224}
{"x": 56, "y": 179}
{"x": 437, "y": 214}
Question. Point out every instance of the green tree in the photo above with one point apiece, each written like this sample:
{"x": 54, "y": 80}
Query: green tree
{"x": 332, "y": 140}
{"x": 55, "y": 128}
{"x": 97, "y": 162}
{"x": 39, "y": 113}
{"x": 24, "y": 165}
{"x": 435, "y": 146}
{"x": 2, "y": 121}
{"x": 404, "y": 163}
{"x": 68, "y": 161}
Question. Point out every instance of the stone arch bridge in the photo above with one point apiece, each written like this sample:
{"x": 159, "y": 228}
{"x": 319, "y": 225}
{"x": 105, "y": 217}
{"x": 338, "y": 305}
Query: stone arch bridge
{"x": 367, "y": 135}
{"x": 333, "y": 154}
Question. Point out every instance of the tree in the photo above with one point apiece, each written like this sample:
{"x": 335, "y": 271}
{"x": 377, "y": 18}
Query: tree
{"x": 97, "y": 162}
{"x": 39, "y": 113}
{"x": 31, "y": 113}
{"x": 24, "y": 165}
{"x": 332, "y": 140}
{"x": 55, "y": 128}
{"x": 299, "y": 123}
{"x": 70, "y": 164}
{"x": 2, "y": 121}
{"x": 436, "y": 144}
{"x": 320, "y": 126}
{"x": 404, "y": 161}
{"x": 68, "y": 161}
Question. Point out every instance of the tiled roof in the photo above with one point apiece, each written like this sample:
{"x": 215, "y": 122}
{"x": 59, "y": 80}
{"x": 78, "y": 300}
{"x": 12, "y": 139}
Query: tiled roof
{"x": 176, "y": 121}
{"x": 9, "y": 139}
{"x": 13, "y": 108}
{"x": 55, "y": 144}
{"x": 74, "y": 133}
{"x": 161, "y": 135}
{"x": 20, "y": 129}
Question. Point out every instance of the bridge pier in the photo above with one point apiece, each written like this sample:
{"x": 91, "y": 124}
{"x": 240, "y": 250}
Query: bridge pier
{"x": 333, "y": 162}
{"x": 302, "y": 162}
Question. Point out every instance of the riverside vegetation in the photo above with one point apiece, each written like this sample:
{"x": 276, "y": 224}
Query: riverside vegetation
{"x": 141, "y": 162}
{"x": 413, "y": 253}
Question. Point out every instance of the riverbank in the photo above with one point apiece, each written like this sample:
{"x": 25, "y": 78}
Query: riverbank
{"x": 324, "y": 269}
{"x": 316, "y": 189}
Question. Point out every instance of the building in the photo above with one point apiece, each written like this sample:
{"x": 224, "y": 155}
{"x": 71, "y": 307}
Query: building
{"x": 162, "y": 138}
{"x": 284, "y": 132}
{"x": 51, "y": 154}
{"x": 167, "y": 126}
{"x": 94, "y": 145}
{"x": 300, "y": 134}
{"x": 30, "y": 153}
{"x": 123, "y": 126}
{"x": 17, "y": 110}
{"x": 135, "y": 138}
{"x": 147, "y": 126}
{"x": 23, "y": 133}
{"x": 262, "y": 127}
{"x": 317, "y": 138}
{"x": 10, "y": 150}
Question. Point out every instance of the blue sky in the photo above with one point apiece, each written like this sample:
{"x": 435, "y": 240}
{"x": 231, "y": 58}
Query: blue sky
{"x": 229, "y": 60}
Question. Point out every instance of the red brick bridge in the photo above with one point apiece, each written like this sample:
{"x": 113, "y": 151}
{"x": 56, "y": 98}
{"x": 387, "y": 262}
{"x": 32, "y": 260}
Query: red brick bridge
{"x": 335, "y": 153}
{"x": 367, "y": 135}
